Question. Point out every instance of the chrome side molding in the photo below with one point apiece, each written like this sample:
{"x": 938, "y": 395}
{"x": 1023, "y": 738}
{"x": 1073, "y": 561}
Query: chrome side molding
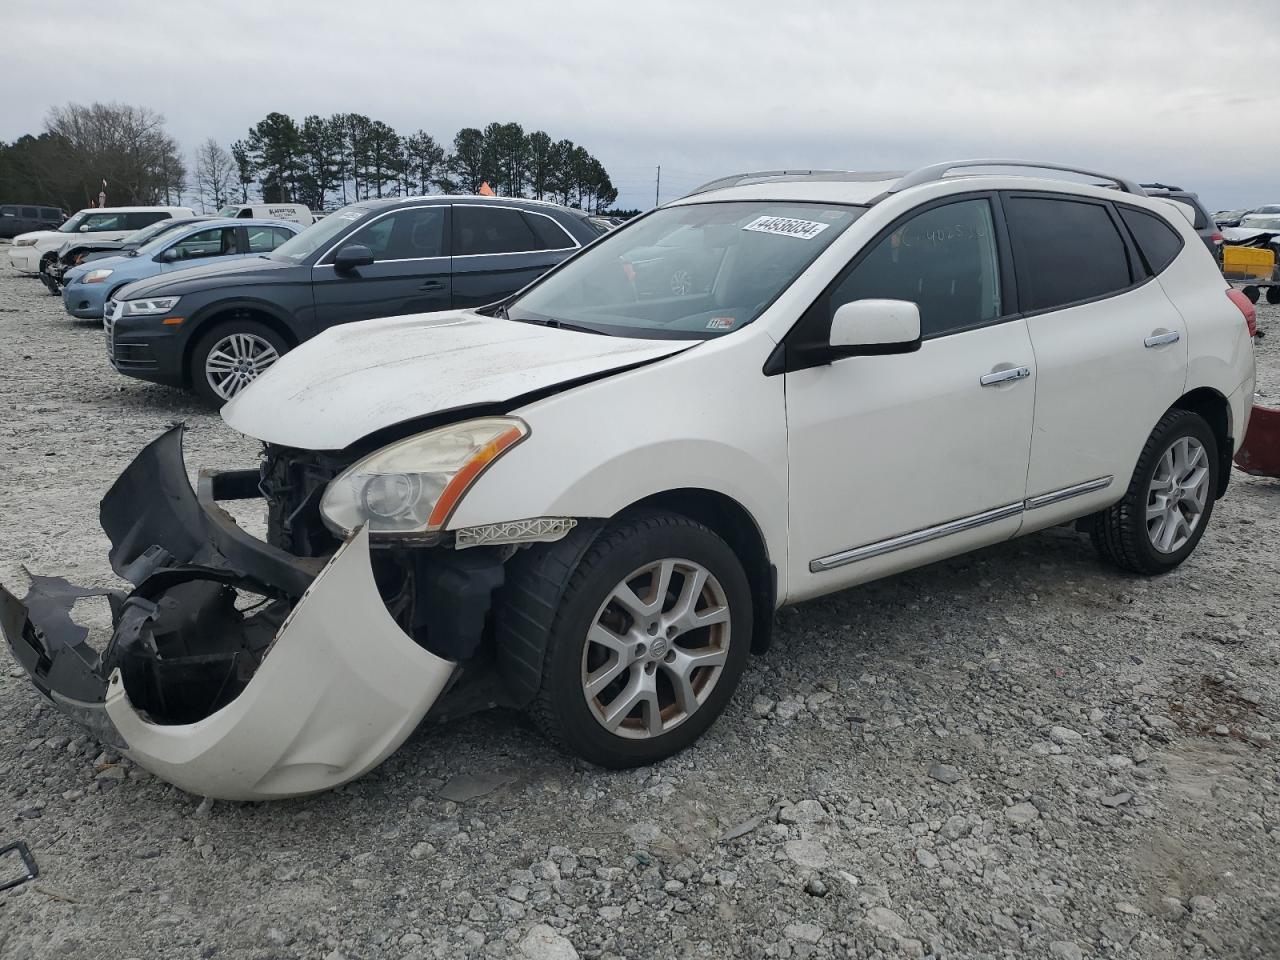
{"x": 917, "y": 537}
{"x": 1066, "y": 493}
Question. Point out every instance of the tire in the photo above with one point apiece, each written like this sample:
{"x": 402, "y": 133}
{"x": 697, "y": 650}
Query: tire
{"x": 586, "y": 602}
{"x": 1273, "y": 294}
{"x": 1124, "y": 534}
{"x": 1251, "y": 292}
{"x": 245, "y": 347}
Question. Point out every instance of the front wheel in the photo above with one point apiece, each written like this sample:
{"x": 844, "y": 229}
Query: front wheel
{"x": 231, "y": 356}
{"x": 1167, "y": 505}
{"x": 651, "y": 634}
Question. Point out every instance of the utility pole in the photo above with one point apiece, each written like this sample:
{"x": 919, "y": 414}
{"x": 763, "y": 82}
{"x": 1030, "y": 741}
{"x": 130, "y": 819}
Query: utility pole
{"x": 657, "y": 185}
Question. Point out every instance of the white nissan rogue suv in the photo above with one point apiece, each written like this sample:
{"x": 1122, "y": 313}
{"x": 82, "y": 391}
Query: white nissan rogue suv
{"x": 587, "y": 501}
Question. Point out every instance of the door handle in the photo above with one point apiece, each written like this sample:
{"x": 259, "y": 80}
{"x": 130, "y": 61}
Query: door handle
{"x": 1160, "y": 339}
{"x": 1002, "y": 376}
{"x": 432, "y": 285}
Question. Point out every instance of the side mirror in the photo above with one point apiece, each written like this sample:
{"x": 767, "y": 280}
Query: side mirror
{"x": 875, "y": 328}
{"x": 84, "y": 228}
{"x": 351, "y": 256}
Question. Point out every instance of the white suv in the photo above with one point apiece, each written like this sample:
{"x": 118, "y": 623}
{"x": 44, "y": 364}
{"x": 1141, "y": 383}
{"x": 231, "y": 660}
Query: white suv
{"x": 588, "y": 501}
{"x": 36, "y": 251}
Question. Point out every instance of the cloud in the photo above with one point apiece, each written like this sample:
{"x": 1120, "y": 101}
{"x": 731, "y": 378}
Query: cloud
{"x": 1153, "y": 90}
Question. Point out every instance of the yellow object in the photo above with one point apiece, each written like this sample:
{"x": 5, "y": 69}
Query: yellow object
{"x": 1254, "y": 261}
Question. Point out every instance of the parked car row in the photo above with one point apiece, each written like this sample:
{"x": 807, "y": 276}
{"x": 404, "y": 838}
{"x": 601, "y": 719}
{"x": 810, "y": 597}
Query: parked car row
{"x": 588, "y": 498}
{"x": 1237, "y": 218}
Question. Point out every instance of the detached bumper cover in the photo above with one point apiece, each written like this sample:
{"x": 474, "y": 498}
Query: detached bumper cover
{"x": 313, "y": 689}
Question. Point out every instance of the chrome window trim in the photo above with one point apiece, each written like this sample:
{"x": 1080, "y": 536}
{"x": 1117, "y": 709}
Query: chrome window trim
{"x": 1066, "y": 493}
{"x": 928, "y": 534}
{"x": 915, "y": 538}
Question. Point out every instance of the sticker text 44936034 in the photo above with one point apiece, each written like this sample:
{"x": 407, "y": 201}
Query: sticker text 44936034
{"x": 787, "y": 227}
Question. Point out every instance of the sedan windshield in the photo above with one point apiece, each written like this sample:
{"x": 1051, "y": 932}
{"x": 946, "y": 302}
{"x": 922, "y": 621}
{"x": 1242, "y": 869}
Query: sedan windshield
{"x": 687, "y": 272}
{"x": 319, "y": 235}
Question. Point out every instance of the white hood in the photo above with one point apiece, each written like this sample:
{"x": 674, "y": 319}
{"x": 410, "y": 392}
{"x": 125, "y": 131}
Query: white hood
{"x": 356, "y": 378}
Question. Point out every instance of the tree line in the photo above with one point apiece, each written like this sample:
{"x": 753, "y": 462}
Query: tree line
{"x": 320, "y": 161}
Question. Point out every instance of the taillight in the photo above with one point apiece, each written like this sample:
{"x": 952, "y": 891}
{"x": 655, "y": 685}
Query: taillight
{"x": 1216, "y": 237}
{"x": 1247, "y": 308}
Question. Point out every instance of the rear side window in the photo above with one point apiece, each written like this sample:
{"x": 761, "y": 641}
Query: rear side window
{"x": 136, "y": 221}
{"x": 550, "y": 235}
{"x": 1158, "y": 242}
{"x": 480, "y": 230}
{"x": 1065, "y": 251}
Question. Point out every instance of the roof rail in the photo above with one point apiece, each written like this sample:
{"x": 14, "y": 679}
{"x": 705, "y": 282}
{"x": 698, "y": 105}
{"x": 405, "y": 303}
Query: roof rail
{"x": 762, "y": 176}
{"x": 938, "y": 171}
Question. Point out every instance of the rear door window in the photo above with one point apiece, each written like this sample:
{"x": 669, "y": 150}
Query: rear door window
{"x": 485, "y": 230}
{"x": 266, "y": 239}
{"x": 30, "y": 213}
{"x": 1158, "y": 242}
{"x": 1065, "y": 251}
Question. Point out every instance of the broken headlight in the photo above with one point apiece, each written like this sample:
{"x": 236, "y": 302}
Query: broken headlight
{"x": 412, "y": 486}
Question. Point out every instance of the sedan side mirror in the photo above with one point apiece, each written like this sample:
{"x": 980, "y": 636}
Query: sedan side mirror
{"x": 351, "y": 256}
{"x": 875, "y": 328}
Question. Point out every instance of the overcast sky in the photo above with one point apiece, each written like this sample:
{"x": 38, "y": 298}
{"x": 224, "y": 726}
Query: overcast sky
{"x": 1182, "y": 92}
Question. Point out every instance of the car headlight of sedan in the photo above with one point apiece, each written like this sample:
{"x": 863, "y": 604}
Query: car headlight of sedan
{"x": 24, "y": 243}
{"x": 412, "y": 487}
{"x": 97, "y": 276}
{"x": 153, "y": 307}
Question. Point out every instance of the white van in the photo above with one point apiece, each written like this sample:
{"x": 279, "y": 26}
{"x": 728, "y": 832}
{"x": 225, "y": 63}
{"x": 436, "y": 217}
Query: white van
{"x": 293, "y": 212}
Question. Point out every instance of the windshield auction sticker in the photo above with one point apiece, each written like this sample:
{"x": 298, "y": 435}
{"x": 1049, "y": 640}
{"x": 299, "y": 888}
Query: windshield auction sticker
{"x": 787, "y": 227}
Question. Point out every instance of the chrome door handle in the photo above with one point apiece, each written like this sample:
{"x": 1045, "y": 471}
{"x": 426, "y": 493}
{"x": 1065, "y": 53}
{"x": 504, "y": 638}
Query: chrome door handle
{"x": 1160, "y": 339}
{"x": 1000, "y": 376}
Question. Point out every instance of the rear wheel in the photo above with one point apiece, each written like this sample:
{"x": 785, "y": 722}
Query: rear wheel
{"x": 231, "y": 356}
{"x": 650, "y": 637}
{"x": 1170, "y": 498}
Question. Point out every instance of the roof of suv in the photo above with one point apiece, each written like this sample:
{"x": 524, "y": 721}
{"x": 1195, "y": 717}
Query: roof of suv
{"x": 382, "y": 202}
{"x": 866, "y": 188}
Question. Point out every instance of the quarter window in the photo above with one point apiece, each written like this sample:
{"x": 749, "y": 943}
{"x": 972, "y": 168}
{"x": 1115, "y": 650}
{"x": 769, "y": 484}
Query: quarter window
{"x": 480, "y": 230}
{"x": 1066, "y": 251}
{"x": 1158, "y": 242}
{"x": 405, "y": 235}
{"x": 550, "y": 235}
{"x": 943, "y": 260}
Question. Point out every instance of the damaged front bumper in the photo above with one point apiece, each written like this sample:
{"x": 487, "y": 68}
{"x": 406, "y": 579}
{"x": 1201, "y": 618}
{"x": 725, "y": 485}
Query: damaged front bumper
{"x": 310, "y": 687}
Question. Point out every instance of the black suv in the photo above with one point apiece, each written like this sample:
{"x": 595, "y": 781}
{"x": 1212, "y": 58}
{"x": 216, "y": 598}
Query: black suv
{"x": 16, "y": 218}
{"x": 215, "y": 328}
{"x": 1204, "y": 224}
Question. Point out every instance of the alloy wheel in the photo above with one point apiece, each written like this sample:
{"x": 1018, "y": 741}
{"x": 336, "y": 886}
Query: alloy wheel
{"x": 656, "y": 648}
{"x": 1177, "y": 494}
{"x": 237, "y": 360}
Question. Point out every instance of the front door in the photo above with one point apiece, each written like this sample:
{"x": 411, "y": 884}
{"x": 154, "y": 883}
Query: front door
{"x": 410, "y": 272}
{"x": 899, "y": 460}
{"x": 1111, "y": 350}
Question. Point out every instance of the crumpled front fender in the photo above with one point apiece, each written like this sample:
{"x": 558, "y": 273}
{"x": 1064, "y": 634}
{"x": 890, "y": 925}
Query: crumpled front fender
{"x": 341, "y": 687}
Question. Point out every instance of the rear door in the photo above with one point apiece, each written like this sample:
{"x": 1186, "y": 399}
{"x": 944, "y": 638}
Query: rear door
{"x": 497, "y": 250}
{"x": 1111, "y": 350}
{"x": 410, "y": 272}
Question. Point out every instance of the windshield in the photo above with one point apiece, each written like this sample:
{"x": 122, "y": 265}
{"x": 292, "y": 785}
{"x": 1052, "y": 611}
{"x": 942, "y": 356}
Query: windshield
{"x": 319, "y": 235}
{"x": 139, "y": 237}
{"x": 73, "y": 224}
{"x": 687, "y": 272}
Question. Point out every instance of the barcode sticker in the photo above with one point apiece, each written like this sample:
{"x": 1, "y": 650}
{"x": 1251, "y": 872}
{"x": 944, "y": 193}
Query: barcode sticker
{"x": 787, "y": 227}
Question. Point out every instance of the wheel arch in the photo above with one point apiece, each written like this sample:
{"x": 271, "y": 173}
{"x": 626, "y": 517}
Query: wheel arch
{"x": 220, "y": 314}
{"x": 1213, "y": 407}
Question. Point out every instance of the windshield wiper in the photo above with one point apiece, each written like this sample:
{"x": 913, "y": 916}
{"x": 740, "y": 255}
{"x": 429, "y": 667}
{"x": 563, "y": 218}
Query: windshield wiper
{"x": 553, "y": 323}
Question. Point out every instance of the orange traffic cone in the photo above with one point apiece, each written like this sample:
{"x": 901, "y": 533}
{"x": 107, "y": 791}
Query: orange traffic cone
{"x": 486, "y": 190}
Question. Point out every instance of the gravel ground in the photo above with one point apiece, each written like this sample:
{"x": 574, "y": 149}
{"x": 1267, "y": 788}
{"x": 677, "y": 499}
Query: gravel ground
{"x": 1018, "y": 753}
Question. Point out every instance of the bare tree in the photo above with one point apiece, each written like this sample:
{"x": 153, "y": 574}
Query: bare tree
{"x": 215, "y": 175}
{"x": 125, "y": 145}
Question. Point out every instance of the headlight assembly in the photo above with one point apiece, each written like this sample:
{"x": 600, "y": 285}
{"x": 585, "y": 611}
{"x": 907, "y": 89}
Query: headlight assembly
{"x": 149, "y": 308}
{"x": 97, "y": 276}
{"x": 412, "y": 487}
